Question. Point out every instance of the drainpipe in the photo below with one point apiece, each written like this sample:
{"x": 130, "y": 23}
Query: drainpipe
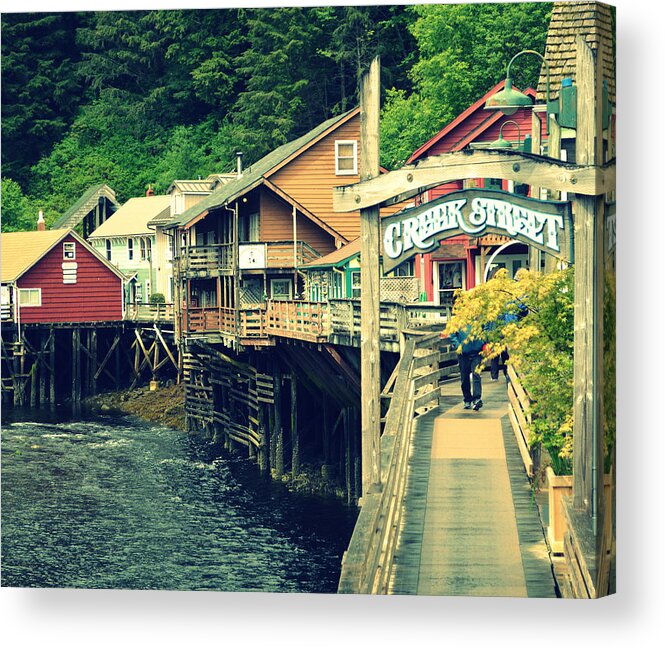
{"x": 295, "y": 252}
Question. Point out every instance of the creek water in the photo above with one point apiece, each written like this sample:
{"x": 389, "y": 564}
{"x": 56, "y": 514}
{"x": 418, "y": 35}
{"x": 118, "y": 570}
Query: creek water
{"x": 114, "y": 502}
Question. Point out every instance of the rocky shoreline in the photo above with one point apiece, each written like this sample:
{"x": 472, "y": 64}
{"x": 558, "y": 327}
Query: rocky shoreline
{"x": 166, "y": 406}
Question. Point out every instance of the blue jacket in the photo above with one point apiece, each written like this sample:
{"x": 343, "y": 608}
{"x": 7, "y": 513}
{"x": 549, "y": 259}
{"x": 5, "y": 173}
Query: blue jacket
{"x": 469, "y": 347}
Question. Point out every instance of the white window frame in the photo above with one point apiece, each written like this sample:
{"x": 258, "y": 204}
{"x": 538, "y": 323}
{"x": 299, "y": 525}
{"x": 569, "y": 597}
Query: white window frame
{"x": 344, "y": 172}
{"x": 67, "y": 248}
{"x": 24, "y": 291}
{"x": 109, "y": 250}
{"x": 130, "y": 249}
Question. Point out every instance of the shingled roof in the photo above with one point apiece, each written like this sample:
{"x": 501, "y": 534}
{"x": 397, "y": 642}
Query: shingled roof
{"x": 594, "y": 21}
{"x": 254, "y": 174}
{"x": 84, "y": 205}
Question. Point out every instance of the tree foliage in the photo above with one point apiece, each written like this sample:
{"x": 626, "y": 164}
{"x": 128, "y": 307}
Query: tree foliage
{"x": 540, "y": 344}
{"x": 132, "y": 98}
{"x": 463, "y": 51}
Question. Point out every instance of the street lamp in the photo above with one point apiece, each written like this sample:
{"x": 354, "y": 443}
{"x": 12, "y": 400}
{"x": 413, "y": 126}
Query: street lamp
{"x": 502, "y": 143}
{"x": 509, "y": 100}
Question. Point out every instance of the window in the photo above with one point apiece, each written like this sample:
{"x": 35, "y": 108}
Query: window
{"x": 108, "y": 249}
{"x": 146, "y": 248}
{"x": 30, "y": 296}
{"x": 130, "y": 249}
{"x": 346, "y": 157}
{"x": 404, "y": 269}
{"x": 69, "y": 251}
{"x": 355, "y": 284}
{"x": 450, "y": 277}
{"x": 281, "y": 289}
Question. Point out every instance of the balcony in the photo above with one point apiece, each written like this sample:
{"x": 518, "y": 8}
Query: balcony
{"x": 207, "y": 260}
{"x": 149, "y": 312}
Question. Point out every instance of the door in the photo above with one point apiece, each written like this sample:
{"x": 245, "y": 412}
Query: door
{"x": 449, "y": 277}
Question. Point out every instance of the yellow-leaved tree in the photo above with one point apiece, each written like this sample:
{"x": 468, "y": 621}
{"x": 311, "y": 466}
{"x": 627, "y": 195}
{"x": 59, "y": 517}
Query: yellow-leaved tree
{"x": 531, "y": 316}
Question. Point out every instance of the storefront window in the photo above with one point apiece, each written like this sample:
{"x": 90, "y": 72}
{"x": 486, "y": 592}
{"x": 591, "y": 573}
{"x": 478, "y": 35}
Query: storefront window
{"x": 450, "y": 278}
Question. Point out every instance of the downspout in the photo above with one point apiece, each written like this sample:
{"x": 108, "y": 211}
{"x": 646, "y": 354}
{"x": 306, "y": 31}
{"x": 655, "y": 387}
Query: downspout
{"x": 295, "y": 252}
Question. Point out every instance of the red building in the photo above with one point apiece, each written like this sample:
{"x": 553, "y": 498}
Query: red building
{"x": 55, "y": 276}
{"x": 459, "y": 261}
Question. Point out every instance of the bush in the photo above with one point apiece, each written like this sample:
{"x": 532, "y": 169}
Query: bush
{"x": 157, "y": 298}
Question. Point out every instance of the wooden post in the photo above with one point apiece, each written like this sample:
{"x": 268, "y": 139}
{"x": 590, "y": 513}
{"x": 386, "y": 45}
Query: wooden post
{"x": 34, "y": 370}
{"x": 347, "y": 456}
{"x": 369, "y": 281}
{"x": 589, "y": 277}
{"x": 279, "y": 430}
{"x": 43, "y": 347}
{"x": 295, "y": 435}
{"x": 52, "y": 380}
{"x": 76, "y": 364}
{"x": 536, "y": 142}
{"x": 553, "y": 151}
{"x": 116, "y": 360}
{"x": 92, "y": 378}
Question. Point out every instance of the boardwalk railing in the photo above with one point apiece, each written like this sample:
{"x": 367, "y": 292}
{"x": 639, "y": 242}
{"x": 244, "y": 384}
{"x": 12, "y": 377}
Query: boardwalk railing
{"x": 336, "y": 321}
{"x": 283, "y": 254}
{"x": 149, "y": 312}
{"x": 367, "y": 563}
{"x": 519, "y": 413}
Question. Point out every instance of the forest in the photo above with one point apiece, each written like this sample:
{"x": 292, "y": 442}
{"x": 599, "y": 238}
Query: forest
{"x": 145, "y": 97}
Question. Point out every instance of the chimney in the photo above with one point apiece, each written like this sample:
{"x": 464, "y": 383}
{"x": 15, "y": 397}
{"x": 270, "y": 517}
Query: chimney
{"x": 150, "y": 191}
{"x": 41, "y": 224}
{"x": 239, "y": 163}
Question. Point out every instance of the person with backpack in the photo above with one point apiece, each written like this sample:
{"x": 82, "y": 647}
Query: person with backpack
{"x": 469, "y": 350}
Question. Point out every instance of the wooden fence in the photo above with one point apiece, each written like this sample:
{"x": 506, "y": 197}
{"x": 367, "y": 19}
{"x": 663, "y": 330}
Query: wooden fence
{"x": 519, "y": 412}
{"x": 207, "y": 259}
{"x": 297, "y": 319}
{"x": 149, "y": 312}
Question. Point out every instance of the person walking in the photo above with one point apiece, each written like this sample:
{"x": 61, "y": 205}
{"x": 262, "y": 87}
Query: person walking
{"x": 469, "y": 360}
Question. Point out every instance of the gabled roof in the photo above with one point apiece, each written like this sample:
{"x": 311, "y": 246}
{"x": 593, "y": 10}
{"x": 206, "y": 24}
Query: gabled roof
{"x": 133, "y": 217}
{"x": 491, "y": 117}
{"x": 336, "y": 258}
{"x": 253, "y": 175}
{"x": 594, "y": 21}
{"x": 22, "y": 250}
{"x": 190, "y": 186}
{"x": 84, "y": 205}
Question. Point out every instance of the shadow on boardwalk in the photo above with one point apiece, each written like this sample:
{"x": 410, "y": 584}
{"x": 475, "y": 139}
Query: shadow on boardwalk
{"x": 470, "y": 525}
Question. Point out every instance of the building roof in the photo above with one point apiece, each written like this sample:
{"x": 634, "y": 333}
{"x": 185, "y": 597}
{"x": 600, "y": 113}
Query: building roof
{"x": 337, "y": 258}
{"x": 253, "y": 175}
{"x": 84, "y": 205}
{"x": 133, "y": 217}
{"x": 594, "y": 21}
{"x": 21, "y": 250}
{"x": 492, "y": 116}
{"x": 190, "y": 186}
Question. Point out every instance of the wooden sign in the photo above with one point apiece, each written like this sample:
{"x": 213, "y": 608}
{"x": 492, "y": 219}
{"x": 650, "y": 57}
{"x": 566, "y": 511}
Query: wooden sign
{"x": 473, "y": 212}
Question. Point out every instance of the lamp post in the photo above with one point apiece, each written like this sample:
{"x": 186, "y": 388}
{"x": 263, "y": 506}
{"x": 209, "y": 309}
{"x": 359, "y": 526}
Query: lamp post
{"x": 509, "y": 100}
{"x": 502, "y": 143}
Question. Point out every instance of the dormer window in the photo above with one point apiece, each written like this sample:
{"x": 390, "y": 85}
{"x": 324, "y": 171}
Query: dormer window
{"x": 69, "y": 251}
{"x": 346, "y": 157}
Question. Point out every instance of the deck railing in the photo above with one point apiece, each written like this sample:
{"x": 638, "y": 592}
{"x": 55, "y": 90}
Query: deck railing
{"x": 149, "y": 312}
{"x": 337, "y": 320}
{"x": 297, "y": 319}
{"x": 6, "y": 312}
{"x": 205, "y": 259}
{"x": 368, "y": 562}
{"x": 282, "y": 254}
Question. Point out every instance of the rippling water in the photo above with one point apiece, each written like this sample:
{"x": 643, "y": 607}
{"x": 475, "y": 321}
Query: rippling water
{"x": 111, "y": 502}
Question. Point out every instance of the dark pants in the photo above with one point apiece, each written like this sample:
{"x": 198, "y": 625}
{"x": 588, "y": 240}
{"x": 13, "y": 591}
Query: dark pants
{"x": 496, "y": 362}
{"x": 467, "y": 368}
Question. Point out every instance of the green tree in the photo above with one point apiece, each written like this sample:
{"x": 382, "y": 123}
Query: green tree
{"x": 41, "y": 92}
{"x": 463, "y": 52}
{"x": 17, "y": 211}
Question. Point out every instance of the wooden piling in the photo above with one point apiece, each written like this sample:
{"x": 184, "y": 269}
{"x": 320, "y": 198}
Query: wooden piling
{"x": 295, "y": 435}
{"x": 52, "y": 380}
{"x": 279, "y": 429}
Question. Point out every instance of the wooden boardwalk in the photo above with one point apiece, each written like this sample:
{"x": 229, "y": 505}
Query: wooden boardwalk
{"x": 470, "y": 526}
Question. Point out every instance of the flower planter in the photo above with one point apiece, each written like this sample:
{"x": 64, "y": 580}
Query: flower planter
{"x": 560, "y": 486}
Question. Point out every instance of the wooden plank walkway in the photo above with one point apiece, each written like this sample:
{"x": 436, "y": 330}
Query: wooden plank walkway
{"x": 470, "y": 525}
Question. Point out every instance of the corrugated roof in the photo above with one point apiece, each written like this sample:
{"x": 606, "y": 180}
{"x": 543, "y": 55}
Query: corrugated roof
{"x": 133, "y": 217}
{"x": 595, "y": 22}
{"x": 71, "y": 218}
{"x": 21, "y": 250}
{"x": 253, "y": 174}
{"x": 190, "y": 186}
{"x": 336, "y": 258}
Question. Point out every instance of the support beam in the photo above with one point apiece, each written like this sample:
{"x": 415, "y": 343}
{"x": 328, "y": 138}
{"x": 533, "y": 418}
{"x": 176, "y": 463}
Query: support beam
{"x": 295, "y": 433}
{"x": 370, "y": 232}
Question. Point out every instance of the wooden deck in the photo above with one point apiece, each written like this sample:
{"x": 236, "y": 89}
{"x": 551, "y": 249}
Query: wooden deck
{"x": 469, "y": 526}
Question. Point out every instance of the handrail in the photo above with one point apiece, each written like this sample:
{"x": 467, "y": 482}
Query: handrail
{"x": 367, "y": 563}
